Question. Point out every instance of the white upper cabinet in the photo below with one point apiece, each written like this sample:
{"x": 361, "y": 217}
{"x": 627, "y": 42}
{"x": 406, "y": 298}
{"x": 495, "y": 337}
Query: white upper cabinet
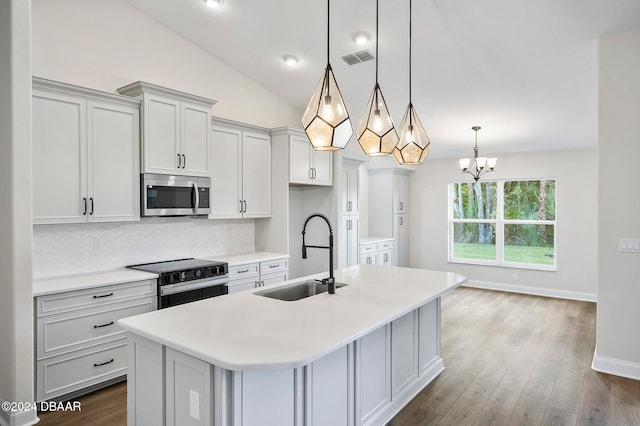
{"x": 175, "y": 136}
{"x": 85, "y": 155}
{"x": 400, "y": 193}
{"x": 306, "y": 165}
{"x": 349, "y": 194}
{"x": 240, "y": 156}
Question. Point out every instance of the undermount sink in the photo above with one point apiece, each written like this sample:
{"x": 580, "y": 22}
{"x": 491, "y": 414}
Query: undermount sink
{"x": 297, "y": 291}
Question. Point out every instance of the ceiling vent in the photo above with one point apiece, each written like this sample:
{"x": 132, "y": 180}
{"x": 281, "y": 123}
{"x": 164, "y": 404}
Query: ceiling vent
{"x": 358, "y": 57}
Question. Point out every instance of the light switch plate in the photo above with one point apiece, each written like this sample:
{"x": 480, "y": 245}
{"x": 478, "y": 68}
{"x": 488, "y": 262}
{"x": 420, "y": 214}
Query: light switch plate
{"x": 194, "y": 404}
{"x": 631, "y": 245}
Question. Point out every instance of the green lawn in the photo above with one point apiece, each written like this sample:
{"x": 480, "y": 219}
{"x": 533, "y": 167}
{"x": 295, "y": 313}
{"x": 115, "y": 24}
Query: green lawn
{"x": 520, "y": 254}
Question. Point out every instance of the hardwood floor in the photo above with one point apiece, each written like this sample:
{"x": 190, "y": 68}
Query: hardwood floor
{"x": 510, "y": 359}
{"x": 515, "y": 359}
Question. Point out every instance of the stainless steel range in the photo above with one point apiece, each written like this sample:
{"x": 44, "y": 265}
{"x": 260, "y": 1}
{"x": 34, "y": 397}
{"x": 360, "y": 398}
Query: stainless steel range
{"x": 187, "y": 280}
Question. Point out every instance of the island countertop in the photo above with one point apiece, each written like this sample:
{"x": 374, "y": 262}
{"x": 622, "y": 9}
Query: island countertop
{"x": 244, "y": 331}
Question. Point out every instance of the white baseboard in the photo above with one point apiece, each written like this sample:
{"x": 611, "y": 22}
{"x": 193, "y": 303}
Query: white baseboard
{"x": 537, "y": 291}
{"x": 19, "y": 418}
{"x": 617, "y": 367}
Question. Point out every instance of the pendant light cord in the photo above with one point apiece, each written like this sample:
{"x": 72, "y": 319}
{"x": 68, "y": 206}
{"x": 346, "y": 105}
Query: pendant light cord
{"x": 410, "y": 51}
{"x": 328, "y": 29}
{"x": 376, "y": 42}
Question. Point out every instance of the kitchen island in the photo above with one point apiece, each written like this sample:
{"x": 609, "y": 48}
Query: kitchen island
{"x": 352, "y": 358}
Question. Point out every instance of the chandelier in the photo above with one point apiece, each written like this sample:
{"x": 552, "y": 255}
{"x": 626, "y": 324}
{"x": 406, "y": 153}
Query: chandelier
{"x": 477, "y": 166}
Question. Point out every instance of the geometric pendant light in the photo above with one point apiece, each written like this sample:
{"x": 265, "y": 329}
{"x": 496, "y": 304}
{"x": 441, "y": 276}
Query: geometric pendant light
{"x": 414, "y": 143}
{"x": 376, "y": 132}
{"x": 326, "y": 120}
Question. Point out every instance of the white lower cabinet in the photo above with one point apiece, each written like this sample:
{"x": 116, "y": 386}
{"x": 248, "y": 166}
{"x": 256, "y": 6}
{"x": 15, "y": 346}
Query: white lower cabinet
{"x": 78, "y": 341}
{"x": 376, "y": 251}
{"x": 257, "y": 274}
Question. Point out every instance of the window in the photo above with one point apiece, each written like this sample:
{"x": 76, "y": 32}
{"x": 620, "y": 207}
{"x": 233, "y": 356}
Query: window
{"x": 503, "y": 223}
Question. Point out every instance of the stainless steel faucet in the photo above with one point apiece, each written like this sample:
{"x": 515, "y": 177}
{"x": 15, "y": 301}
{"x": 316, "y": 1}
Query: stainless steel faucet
{"x": 331, "y": 282}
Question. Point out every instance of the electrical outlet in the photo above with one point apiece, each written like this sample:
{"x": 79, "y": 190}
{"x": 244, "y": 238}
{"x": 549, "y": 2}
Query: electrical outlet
{"x": 630, "y": 245}
{"x": 515, "y": 277}
{"x": 194, "y": 404}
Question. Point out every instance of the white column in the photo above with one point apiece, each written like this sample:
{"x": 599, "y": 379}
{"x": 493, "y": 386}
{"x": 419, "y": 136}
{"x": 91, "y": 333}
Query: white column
{"x": 16, "y": 305}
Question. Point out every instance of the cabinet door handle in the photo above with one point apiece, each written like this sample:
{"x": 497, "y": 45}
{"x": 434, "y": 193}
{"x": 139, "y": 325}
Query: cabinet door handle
{"x": 241, "y": 208}
{"x": 245, "y": 206}
{"x": 261, "y": 283}
{"x": 256, "y": 284}
{"x": 315, "y": 173}
{"x": 92, "y": 205}
{"x": 401, "y": 205}
{"x": 103, "y": 325}
{"x": 103, "y": 295}
{"x": 179, "y": 161}
{"x": 243, "y": 271}
{"x": 310, "y": 172}
{"x": 184, "y": 161}
{"x": 274, "y": 266}
{"x": 103, "y": 363}
{"x": 401, "y": 221}
{"x": 84, "y": 200}
{"x": 386, "y": 257}
{"x": 348, "y": 225}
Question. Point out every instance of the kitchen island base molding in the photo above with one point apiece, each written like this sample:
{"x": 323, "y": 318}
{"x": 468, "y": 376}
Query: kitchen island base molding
{"x": 364, "y": 382}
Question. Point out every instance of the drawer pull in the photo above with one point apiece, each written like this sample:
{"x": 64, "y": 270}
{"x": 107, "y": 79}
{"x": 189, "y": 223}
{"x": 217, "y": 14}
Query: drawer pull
{"x": 103, "y": 295}
{"x": 103, "y": 363}
{"x": 274, "y": 266}
{"x": 243, "y": 271}
{"x": 103, "y": 325}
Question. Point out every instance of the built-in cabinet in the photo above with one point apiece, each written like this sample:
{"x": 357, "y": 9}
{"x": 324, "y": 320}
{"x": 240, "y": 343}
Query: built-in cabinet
{"x": 241, "y": 178}
{"x": 80, "y": 137}
{"x": 388, "y": 209}
{"x": 349, "y": 213}
{"x": 79, "y": 344}
{"x": 306, "y": 165}
{"x": 377, "y": 251}
{"x": 175, "y": 129}
{"x": 257, "y": 274}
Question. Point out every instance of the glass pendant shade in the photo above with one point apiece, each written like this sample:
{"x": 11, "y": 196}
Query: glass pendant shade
{"x": 326, "y": 121}
{"x": 413, "y": 146}
{"x": 376, "y": 132}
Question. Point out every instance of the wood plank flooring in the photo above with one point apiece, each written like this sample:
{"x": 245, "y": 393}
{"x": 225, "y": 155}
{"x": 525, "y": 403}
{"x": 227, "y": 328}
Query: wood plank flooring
{"x": 510, "y": 359}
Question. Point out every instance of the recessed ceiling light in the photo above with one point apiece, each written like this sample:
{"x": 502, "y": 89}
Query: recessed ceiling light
{"x": 291, "y": 60}
{"x": 214, "y": 3}
{"x": 361, "y": 38}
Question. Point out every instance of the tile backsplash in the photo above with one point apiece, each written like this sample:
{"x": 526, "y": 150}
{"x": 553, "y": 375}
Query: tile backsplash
{"x": 77, "y": 248}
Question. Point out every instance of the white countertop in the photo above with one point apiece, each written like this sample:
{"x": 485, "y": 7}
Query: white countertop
{"x": 371, "y": 240}
{"x": 244, "y": 258}
{"x": 61, "y": 284}
{"x": 44, "y": 286}
{"x": 244, "y": 331}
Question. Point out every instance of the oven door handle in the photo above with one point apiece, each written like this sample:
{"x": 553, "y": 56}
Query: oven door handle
{"x": 197, "y": 197}
{"x": 166, "y": 290}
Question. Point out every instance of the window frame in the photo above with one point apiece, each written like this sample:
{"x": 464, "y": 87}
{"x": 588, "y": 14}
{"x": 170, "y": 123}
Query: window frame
{"x": 499, "y": 222}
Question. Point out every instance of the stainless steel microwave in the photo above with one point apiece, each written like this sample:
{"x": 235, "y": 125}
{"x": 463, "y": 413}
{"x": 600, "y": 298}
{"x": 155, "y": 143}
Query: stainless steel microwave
{"x": 168, "y": 195}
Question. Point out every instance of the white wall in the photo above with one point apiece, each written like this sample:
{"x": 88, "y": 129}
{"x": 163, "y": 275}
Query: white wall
{"x": 577, "y": 197}
{"x": 16, "y": 303}
{"x": 108, "y": 44}
{"x": 618, "y": 318}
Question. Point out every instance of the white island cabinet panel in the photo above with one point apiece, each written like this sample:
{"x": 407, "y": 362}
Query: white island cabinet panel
{"x": 330, "y": 390}
{"x": 189, "y": 390}
{"x": 373, "y": 374}
{"x": 145, "y": 394}
{"x": 429, "y": 326}
{"x": 404, "y": 353}
{"x": 268, "y": 398}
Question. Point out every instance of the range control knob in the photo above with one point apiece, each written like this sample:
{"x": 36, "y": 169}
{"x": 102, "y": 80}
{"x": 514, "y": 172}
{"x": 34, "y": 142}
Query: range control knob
{"x": 198, "y": 273}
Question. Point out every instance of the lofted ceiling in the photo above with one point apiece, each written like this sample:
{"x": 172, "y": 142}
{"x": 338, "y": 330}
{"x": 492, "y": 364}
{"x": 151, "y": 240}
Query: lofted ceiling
{"x": 525, "y": 70}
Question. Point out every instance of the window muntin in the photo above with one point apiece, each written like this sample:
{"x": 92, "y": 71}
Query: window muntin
{"x": 504, "y": 223}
